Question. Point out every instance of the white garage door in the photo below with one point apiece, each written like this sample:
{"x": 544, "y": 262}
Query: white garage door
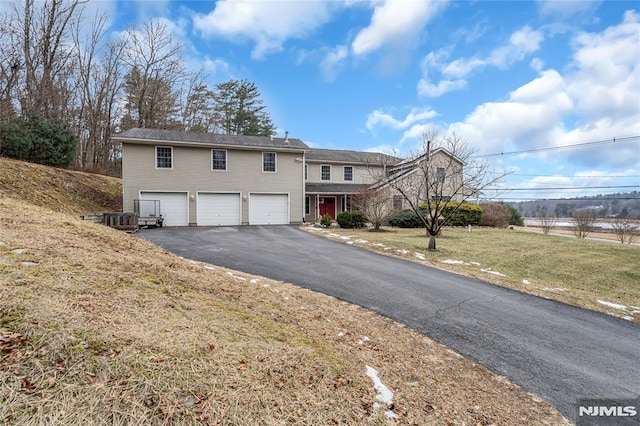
{"x": 218, "y": 209}
{"x": 268, "y": 209}
{"x": 174, "y": 206}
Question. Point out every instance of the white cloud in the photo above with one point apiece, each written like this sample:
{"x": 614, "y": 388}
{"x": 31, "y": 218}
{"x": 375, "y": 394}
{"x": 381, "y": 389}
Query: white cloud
{"x": 395, "y": 22}
{"x": 380, "y": 118}
{"x": 596, "y": 100}
{"x": 430, "y": 90}
{"x": 268, "y": 23}
{"x": 521, "y": 43}
{"x": 333, "y": 61}
{"x": 453, "y": 74}
{"x": 565, "y": 9}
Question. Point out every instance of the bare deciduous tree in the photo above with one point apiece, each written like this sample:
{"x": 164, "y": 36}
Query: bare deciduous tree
{"x": 439, "y": 179}
{"x": 584, "y": 219}
{"x": 547, "y": 222}
{"x": 375, "y": 204}
{"x": 100, "y": 74}
{"x": 155, "y": 73}
{"x": 625, "y": 229}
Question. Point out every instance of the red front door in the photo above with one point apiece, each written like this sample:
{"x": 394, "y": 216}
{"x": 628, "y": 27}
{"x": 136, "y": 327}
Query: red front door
{"x": 327, "y": 205}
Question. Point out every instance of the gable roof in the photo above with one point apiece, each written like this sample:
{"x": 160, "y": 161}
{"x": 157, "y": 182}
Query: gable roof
{"x": 317, "y": 155}
{"x": 178, "y": 137}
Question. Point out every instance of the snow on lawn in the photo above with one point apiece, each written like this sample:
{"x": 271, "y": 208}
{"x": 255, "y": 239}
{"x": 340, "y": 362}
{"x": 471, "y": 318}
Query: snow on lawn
{"x": 554, "y": 289}
{"x": 420, "y": 256}
{"x": 489, "y": 271}
{"x": 612, "y": 305}
{"x": 525, "y": 282}
{"x": 384, "y": 394}
{"x": 453, "y": 262}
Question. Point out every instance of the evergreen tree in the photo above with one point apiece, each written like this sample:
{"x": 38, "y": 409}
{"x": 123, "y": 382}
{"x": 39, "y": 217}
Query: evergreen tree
{"x": 38, "y": 140}
{"x": 238, "y": 109}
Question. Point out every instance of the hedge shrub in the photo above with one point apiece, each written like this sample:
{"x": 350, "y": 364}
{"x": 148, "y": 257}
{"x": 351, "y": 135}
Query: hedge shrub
{"x": 354, "y": 219}
{"x": 467, "y": 214}
{"x": 326, "y": 221}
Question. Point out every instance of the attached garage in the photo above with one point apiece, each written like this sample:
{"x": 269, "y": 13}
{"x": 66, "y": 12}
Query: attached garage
{"x": 174, "y": 206}
{"x": 268, "y": 209}
{"x": 216, "y": 209}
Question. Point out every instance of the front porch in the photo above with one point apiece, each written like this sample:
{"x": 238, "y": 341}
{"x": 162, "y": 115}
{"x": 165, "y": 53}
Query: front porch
{"x": 331, "y": 199}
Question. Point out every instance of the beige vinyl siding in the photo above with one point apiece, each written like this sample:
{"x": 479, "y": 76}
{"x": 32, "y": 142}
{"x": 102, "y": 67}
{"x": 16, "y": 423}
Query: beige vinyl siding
{"x": 361, "y": 174}
{"x": 192, "y": 172}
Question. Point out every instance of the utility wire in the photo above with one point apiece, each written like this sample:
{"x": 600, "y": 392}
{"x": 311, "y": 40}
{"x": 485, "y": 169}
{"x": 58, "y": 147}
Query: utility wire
{"x": 563, "y": 187}
{"x": 555, "y": 148}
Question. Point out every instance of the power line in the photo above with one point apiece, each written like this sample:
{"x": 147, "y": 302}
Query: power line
{"x": 585, "y": 198}
{"x": 563, "y": 187}
{"x": 559, "y": 147}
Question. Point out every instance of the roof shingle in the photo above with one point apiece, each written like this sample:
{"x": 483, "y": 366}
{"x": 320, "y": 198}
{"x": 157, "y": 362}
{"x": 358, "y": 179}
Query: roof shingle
{"x": 178, "y": 137}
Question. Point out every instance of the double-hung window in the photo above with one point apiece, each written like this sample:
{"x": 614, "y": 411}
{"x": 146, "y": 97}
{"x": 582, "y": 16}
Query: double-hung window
{"x": 440, "y": 174}
{"x": 164, "y": 157}
{"x": 269, "y": 162}
{"x": 218, "y": 159}
{"x": 325, "y": 172}
{"x": 348, "y": 173}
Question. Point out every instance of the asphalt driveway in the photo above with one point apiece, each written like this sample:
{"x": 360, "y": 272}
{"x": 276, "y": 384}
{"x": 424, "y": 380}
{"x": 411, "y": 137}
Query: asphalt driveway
{"x": 557, "y": 351}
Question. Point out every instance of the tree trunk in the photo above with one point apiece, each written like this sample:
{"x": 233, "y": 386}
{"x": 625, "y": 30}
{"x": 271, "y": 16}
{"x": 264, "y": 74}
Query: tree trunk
{"x": 432, "y": 242}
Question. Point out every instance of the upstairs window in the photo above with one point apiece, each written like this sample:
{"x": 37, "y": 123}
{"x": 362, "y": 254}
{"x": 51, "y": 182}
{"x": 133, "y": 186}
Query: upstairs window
{"x": 306, "y": 171}
{"x": 440, "y": 174}
{"x": 164, "y": 157}
{"x": 269, "y": 162}
{"x": 348, "y": 173}
{"x": 325, "y": 172}
{"x": 218, "y": 159}
{"x": 397, "y": 202}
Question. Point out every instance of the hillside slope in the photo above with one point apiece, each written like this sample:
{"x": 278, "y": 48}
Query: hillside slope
{"x": 60, "y": 190}
{"x": 97, "y": 325}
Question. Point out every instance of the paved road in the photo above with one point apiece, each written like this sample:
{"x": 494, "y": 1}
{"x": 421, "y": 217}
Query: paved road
{"x": 557, "y": 351}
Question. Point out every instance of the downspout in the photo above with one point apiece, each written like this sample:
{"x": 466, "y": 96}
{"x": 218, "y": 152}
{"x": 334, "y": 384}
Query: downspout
{"x": 304, "y": 188}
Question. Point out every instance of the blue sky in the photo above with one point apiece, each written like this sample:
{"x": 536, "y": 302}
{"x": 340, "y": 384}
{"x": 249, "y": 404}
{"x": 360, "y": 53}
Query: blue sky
{"x": 374, "y": 75}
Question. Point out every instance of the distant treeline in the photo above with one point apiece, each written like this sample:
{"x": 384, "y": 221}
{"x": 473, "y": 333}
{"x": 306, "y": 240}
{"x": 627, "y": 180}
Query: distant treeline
{"x": 622, "y": 204}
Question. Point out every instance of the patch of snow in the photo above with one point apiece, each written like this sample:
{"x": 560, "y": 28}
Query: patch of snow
{"x": 240, "y": 278}
{"x": 489, "y": 271}
{"x": 420, "y": 256}
{"x": 526, "y": 282}
{"x": 1, "y": 243}
{"x": 230, "y": 274}
{"x": 383, "y": 393}
{"x": 340, "y": 334}
{"x": 19, "y": 251}
{"x": 193, "y": 261}
{"x": 350, "y": 242}
{"x": 302, "y": 307}
{"x": 475, "y": 263}
{"x": 254, "y": 281}
{"x": 635, "y": 307}
{"x": 612, "y": 305}
{"x": 379, "y": 245}
{"x": 554, "y": 289}
{"x": 28, "y": 263}
{"x": 628, "y": 318}
{"x": 286, "y": 298}
{"x": 387, "y": 248}
{"x": 403, "y": 251}
{"x": 364, "y": 339}
{"x": 344, "y": 237}
{"x": 265, "y": 285}
{"x": 334, "y": 235}
{"x": 362, "y": 241}
{"x": 209, "y": 267}
{"x": 452, "y": 262}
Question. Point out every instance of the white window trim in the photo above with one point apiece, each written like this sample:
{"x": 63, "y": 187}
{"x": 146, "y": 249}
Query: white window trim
{"x": 344, "y": 171}
{"x": 156, "y": 157}
{"x": 226, "y": 161}
{"x": 325, "y": 165}
{"x": 275, "y": 158}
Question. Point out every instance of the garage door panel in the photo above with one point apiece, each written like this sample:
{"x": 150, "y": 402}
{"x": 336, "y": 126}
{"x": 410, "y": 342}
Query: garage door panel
{"x": 174, "y": 206}
{"x": 216, "y": 209}
{"x": 268, "y": 209}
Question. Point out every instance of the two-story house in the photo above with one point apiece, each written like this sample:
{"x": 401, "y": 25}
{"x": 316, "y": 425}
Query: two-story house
{"x": 209, "y": 179}
{"x": 204, "y": 179}
{"x": 333, "y": 177}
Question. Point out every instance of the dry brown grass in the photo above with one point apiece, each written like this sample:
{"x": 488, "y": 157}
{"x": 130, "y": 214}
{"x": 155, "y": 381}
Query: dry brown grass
{"x": 60, "y": 190}
{"x": 98, "y": 326}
